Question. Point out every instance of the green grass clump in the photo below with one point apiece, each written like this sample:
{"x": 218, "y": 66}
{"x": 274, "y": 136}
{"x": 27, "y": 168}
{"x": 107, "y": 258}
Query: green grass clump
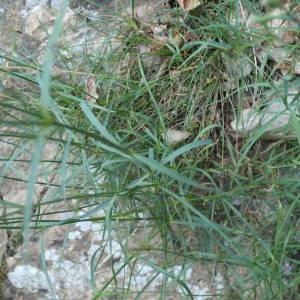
{"x": 213, "y": 199}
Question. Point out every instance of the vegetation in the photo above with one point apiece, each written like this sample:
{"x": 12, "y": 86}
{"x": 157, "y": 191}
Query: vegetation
{"x": 216, "y": 199}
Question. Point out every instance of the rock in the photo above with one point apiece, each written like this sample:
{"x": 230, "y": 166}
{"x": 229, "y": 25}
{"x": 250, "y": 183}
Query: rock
{"x": 160, "y": 33}
{"x": 150, "y": 61}
{"x": 29, "y": 277}
{"x": 282, "y": 56}
{"x": 297, "y": 67}
{"x": 276, "y": 53}
{"x": 143, "y": 11}
{"x": 176, "y": 136}
{"x": 275, "y": 117}
{"x": 240, "y": 67}
{"x": 39, "y": 23}
{"x": 229, "y": 85}
{"x": 91, "y": 90}
{"x": 285, "y": 31}
{"x": 188, "y": 5}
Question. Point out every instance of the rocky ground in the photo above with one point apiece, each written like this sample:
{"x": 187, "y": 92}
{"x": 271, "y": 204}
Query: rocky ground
{"x": 60, "y": 258}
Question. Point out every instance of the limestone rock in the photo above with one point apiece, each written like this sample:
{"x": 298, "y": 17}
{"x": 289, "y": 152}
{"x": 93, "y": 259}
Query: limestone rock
{"x": 176, "y": 136}
{"x": 240, "y": 67}
{"x": 39, "y": 23}
{"x": 188, "y": 5}
{"x": 274, "y": 119}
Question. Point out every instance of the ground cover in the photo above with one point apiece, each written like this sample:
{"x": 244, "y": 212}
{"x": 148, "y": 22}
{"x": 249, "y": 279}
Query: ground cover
{"x": 169, "y": 136}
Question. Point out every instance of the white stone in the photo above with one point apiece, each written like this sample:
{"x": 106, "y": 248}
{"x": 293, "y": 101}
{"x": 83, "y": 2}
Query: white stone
{"x": 241, "y": 66}
{"x": 71, "y": 275}
{"x": 199, "y": 292}
{"x": 28, "y": 278}
{"x": 275, "y": 118}
{"x": 297, "y": 67}
{"x": 51, "y": 254}
{"x": 116, "y": 249}
{"x": 84, "y": 226}
{"x": 73, "y": 235}
{"x": 149, "y": 61}
{"x": 219, "y": 281}
{"x": 143, "y": 275}
{"x": 176, "y": 136}
{"x": 39, "y": 23}
{"x": 32, "y": 4}
{"x": 92, "y": 250}
{"x": 188, "y": 5}
{"x": 278, "y": 54}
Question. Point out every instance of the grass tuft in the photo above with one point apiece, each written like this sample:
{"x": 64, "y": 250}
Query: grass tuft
{"x": 225, "y": 203}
